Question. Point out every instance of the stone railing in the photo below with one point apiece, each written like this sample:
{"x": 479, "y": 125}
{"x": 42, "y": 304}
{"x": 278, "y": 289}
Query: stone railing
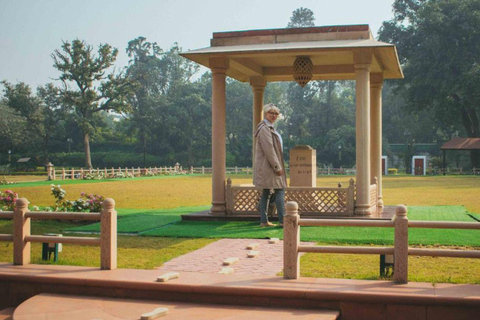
{"x": 22, "y": 237}
{"x": 248, "y": 170}
{"x": 338, "y": 201}
{"x": 229, "y": 170}
{"x": 400, "y": 249}
{"x": 64, "y": 174}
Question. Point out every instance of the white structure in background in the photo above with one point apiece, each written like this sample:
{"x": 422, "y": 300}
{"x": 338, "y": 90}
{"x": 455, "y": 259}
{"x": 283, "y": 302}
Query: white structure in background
{"x": 419, "y": 165}
{"x": 385, "y": 165}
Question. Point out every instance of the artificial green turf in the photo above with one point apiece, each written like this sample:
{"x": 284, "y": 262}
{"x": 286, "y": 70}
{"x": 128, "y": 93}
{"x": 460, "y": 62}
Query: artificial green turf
{"x": 351, "y": 235}
{"x": 137, "y": 220}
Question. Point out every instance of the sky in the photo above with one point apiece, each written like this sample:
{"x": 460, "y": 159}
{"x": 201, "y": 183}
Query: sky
{"x": 30, "y": 30}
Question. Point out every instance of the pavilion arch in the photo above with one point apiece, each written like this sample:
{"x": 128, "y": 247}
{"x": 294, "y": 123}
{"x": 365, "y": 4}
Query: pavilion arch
{"x": 337, "y": 53}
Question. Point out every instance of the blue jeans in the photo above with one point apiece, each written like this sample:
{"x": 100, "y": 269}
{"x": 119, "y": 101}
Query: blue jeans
{"x": 279, "y": 202}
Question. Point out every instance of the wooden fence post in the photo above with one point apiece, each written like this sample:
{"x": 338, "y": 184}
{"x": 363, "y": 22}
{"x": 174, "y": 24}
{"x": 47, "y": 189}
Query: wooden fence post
{"x": 401, "y": 245}
{"x": 203, "y": 170}
{"x": 72, "y": 174}
{"x": 63, "y": 173}
{"x": 21, "y": 226}
{"x": 108, "y": 236}
{"x": 81, "y": 173}
{"x": 291, "y": 241}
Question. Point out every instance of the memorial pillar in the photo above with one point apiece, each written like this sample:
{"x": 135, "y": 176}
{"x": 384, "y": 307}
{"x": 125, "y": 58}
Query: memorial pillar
{"x": 303, "y": 167}
{"x": 219, "y": 68}
{"x": 362, "y": 61}
{"x": 258, "y": 88}
{"x": 376, "y": 84}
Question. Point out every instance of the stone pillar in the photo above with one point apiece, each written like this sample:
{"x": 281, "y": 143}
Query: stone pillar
{"x": 108, "y": 236}
{"x": 400, "y": 254}
{"x": 21, "y": 225}
{"x": 376, "y": 84}
{"x": 219, "y": 68}
{"x": 50, "y": 171}
{"x": 363, "y": 60}
{"x": 291, "y": 241}
{"x": 258, "y": 88}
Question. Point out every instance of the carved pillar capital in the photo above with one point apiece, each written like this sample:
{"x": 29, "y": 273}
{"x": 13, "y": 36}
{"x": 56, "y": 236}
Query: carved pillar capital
{"x": 218, "y": 64}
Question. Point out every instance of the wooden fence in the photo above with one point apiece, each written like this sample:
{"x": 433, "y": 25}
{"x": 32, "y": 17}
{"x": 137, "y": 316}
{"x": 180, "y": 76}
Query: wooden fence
{"x": 22, "y": 237}
{"x": 400, "y": 249}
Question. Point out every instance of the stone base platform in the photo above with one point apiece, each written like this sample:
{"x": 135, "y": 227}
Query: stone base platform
{"x": 206, "y": 215}
{"x": 354, "y": 299}
{"x": 61, "y": 307}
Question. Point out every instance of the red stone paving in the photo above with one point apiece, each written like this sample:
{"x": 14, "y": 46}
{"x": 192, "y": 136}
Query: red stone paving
{"x": 60, "y": 307}
{"x": 210, "y": 258}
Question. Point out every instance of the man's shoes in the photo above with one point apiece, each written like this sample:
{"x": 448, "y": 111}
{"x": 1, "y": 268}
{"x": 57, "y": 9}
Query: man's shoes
{"x": 266, "y": 224}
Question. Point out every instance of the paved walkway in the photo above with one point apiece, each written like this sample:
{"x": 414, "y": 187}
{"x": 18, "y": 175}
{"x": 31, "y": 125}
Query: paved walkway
{"x": 209, "y": 259}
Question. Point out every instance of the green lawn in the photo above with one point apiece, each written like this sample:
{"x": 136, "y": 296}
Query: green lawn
{"x": 151, "y": 208}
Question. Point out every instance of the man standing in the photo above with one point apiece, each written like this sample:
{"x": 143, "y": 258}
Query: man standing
{"x": 269, "y": 173}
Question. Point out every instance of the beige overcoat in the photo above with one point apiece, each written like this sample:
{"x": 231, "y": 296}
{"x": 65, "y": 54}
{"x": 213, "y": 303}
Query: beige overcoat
{"x": 268, "y": 159}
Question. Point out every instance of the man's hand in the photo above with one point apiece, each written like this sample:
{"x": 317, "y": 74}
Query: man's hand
{"x": 279, "y": 173}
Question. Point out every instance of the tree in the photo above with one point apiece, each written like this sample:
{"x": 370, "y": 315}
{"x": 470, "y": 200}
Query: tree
{"x": 301, "y": 18}
{"x": 13, "y": 131}
{"x": 145, "y": 69}
{"x": 41, "y": 112}
{"x": 86, "y": 87}
{"x": 439, "y": 45}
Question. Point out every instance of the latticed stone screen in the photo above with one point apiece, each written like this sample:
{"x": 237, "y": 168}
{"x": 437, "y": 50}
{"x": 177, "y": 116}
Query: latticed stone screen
{"x": 246, "y": 200}
{"x": 312, "y": 200}
{"x": 321, "y": 201}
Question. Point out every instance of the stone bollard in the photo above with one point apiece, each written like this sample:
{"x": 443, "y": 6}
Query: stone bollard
{"x": 50, "y": 171}
{"x": 21, "y": 225}
{"x": 401, "y": 245}
{"x": 108, "y": 235}
{"x": 291, "y": 241}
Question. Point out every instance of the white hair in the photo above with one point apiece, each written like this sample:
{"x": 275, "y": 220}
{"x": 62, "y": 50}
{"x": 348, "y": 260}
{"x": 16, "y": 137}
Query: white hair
{"x": 270, "y": 106}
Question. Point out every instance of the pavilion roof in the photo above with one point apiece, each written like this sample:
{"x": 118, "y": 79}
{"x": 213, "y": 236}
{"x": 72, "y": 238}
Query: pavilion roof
{"x": 462, "y": 144}
{"x": 271, "y": 53}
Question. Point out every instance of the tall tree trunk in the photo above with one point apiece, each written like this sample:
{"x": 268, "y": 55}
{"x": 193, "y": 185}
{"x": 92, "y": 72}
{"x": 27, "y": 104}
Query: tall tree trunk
{"x": 88, "y": 158}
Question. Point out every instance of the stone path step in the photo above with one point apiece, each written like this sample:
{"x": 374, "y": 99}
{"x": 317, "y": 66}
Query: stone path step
{"x": 61, "y": 307}
{"x": 210, "y": 259}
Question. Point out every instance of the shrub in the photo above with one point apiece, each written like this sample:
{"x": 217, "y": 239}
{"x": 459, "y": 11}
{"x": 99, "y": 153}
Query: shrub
{"x": 121, "y": 175}
{"x": 392, "y": 171}
{"x": 7, "y": 200}
{"x": 86, "y": 203}
{"x": 94, "y": 176}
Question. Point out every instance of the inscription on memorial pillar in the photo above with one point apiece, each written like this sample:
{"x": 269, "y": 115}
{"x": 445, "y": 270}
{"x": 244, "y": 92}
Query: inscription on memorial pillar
{"x": 303, "y": 166}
